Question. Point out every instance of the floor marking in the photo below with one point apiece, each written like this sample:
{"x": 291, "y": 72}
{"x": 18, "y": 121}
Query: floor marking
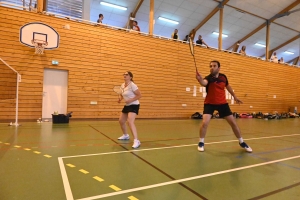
{"x": 84, "y": 171}
{"x": 65, "y": 179}
{"x": 7, "y": 143}
{"x": 132, "y": 198}
{"x": 26, "y": 149}
{"x": 115, "y": 188}
{"x": 187, "y": 179}
{"x": 70, "y": 165}
{"x": 178, "y": 146}
{"x": 98, "y": 178}
{"x": 17, "y": 146}
{"x": 37, "y": 152}
{"x": 47, "y": 156}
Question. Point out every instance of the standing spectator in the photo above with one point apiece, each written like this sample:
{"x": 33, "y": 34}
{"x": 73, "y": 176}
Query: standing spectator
{"x": 281, "y": 60}
{"x": 274, "y": 58}
{"x": 238, "y": 44}
{"x": 101, "y": 17}
{"x": 201, "y": 41}
{"x": 135, "y": 26}
{"x": 243, "y": 51}
{"x": 174, "y": 35}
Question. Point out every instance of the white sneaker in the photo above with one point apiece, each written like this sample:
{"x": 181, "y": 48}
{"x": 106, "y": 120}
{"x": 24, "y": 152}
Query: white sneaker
{"x": 124, "y": 137}
{"x": 201, "y": 146}
{"x": 136, "y": 144}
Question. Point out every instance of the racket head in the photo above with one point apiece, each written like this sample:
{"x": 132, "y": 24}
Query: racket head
{"x": 191, "y": 46}
{"x": 117, "y": 89}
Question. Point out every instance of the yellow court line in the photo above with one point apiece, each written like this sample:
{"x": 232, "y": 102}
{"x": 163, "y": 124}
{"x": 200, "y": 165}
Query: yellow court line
{"x": 132, "y": 198}
{"x": 70, "y": 165}
{"x": 115, "y": 188}
{"x": 84, "y": 171}
{"x": 37, "y": 152}
{"x": 17, "y": 146}
{"x": 26, "y": 149}
{"x": 47, "y": 156}
{"x": 98, "y": 178}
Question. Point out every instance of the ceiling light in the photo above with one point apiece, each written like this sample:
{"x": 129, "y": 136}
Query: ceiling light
{"x": 261, "y": 45}
{"x": 288, "y": 52}
{"x": 168, "y": 20}
{"x": 112, "y": 5}
{"x": 223, "y": 35}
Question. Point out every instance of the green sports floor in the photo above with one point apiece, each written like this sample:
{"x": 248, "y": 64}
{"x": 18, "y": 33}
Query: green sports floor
{"x": 84, "y": 160}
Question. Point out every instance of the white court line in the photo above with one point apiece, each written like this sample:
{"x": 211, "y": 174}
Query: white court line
{"x": 65, "y": 179}
{"x": 179, "y": 146}
{"x": 186, "y": 179}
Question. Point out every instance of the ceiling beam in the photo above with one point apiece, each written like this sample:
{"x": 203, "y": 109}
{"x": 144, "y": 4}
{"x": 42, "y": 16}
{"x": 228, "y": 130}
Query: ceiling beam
{"x": 212, "y": 13}
{"x": 294, "y": 60}
{"x": 133, "y": 14}
{"x": 244, "y": 11}
{"x": 282, "y": 45}
{"x": 292, "y": 5}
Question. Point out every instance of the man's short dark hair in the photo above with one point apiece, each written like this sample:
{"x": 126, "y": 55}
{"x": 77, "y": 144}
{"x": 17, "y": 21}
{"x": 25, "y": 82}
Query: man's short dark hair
{"x": 136, "y": 22}
{"x": 100, "y": 15}
{"x": 219, "y": 65}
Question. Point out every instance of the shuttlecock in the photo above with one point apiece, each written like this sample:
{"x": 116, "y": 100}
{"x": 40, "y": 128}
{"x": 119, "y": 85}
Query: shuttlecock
{"x": 10, "y": 124}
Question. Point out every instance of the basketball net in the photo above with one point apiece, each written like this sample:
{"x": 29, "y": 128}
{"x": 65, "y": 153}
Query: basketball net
{"x": 39, "y": 46}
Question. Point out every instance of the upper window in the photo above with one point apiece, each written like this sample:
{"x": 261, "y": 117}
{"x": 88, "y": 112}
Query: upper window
{"x": 72, "y": 8}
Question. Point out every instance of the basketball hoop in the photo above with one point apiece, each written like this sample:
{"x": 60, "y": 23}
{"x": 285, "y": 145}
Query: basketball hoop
{"x": 39, "y": 46}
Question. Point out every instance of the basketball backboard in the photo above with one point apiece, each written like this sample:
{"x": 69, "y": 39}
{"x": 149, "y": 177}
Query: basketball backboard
{"x": 38, "y": 31}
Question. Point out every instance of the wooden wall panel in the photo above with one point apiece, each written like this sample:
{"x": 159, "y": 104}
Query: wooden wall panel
{"x": 97, "y": 56}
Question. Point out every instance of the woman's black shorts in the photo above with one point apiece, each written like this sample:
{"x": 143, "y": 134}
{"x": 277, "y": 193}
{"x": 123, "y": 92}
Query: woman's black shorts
{"x": 131, "y": 108}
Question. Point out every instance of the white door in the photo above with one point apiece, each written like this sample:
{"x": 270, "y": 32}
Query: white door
{"x": 55, "y": 92}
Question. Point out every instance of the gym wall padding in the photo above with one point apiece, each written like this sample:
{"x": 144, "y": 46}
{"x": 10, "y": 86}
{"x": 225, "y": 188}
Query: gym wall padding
{"x": 96, "y": 57}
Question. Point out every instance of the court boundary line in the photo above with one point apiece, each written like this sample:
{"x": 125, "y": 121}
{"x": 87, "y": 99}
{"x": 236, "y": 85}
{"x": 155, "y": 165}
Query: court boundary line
{"x": 187, "y": 179}
{"x": 178, "y": 146}
{"x": 67, "y": 187}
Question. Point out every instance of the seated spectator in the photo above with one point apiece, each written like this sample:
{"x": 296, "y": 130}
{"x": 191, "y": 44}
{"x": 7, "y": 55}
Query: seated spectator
{"x": 100, "y": 18}
{"x": 243, "y": 51}
{"x": 201, "y": 41}
{"x": 281, "y": 60}
{"x": 174, "y": 35}
{"x": 135, "y": 26}
{"x": 274, "y": 58}
{"x": 186, "y": 39}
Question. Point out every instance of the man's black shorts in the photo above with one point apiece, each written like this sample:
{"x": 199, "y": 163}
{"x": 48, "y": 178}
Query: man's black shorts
{"x": 131, "y": 108}
{"x": 223, "y": 109}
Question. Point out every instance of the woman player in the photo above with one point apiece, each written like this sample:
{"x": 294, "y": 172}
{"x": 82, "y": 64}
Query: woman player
{"x": 131, "y": 96}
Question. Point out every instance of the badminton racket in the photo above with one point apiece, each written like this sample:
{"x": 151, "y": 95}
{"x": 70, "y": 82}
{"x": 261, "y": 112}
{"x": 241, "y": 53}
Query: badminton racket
{"x": 118, "y": 90}
{"x": 193, "y": 54}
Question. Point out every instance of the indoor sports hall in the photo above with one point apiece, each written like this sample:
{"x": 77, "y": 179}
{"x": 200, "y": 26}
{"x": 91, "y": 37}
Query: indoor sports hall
{"x": 66, "y": 93}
